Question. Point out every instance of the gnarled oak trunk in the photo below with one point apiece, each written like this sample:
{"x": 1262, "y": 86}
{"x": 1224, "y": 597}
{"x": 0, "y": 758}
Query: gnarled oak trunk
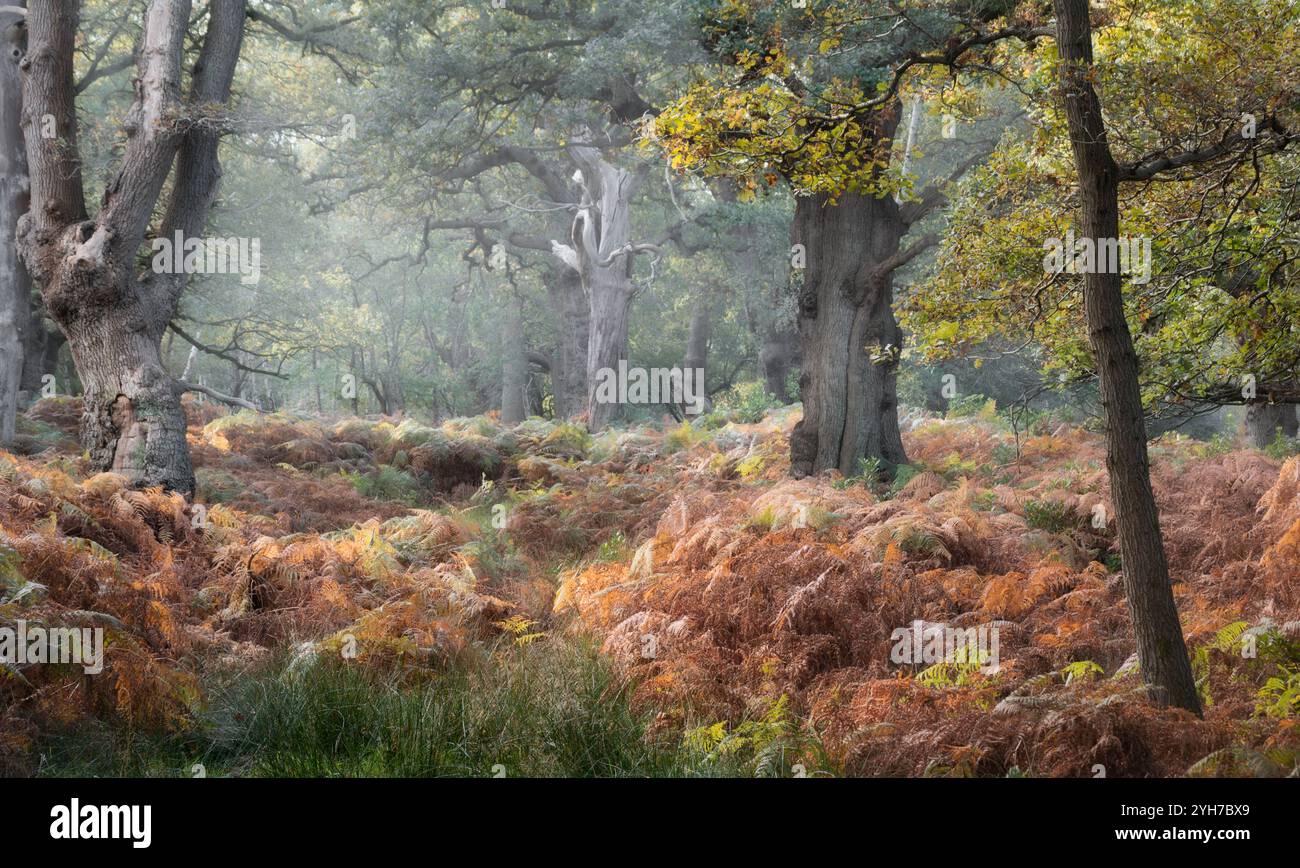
{"x": 850, "y": 340}
{"x": 133, "y": 422}
{"x": 114, "y": 317}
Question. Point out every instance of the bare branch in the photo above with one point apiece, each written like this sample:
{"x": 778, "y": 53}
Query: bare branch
{"x": 218, "y": 396}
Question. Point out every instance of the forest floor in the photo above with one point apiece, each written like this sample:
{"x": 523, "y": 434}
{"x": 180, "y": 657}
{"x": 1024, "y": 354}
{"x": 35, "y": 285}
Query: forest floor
{"x": 379, "y": 597}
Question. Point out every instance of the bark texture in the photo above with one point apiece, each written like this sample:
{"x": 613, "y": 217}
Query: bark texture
{"x": 514, "y": 364}
{"x": 602, "y": 254}
{"x": 1264, "y": 421}
{"x": 848, "y": 333}
{"x": 114, "y": 318}
{"x": 1162, "y": 653}
{"x": 15, "y": 287}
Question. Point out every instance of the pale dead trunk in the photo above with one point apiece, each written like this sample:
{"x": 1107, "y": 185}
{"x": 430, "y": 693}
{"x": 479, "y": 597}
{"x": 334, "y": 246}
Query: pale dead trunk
{"x": 189, "y": 361}
{"x": 602, "y": 254}
{"x": 611, "y": 300}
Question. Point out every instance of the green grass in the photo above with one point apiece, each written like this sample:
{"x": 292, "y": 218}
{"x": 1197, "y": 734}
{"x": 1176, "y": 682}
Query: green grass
{"x": 550, "y": 708}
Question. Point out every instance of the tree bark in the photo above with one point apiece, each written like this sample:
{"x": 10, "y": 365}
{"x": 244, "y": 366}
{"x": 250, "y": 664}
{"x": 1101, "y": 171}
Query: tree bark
{"x": 15, "y": 286}
{"x": 132, "y": 423}
{"x": 697, "y": 345}
{"x": 514, "y": 364}
{"x": 602, "y": 254}
{"x": 611, "y": 301}
{"x": 1162, "y": 653}
{"x": 569, "y": 368}
{"x": 1264, "y": 421}
{"x": 113, "y": 319}
{"x": 41, "y": 344}
{"x": 850, "y": 340}
{"x": 778, "y": 356}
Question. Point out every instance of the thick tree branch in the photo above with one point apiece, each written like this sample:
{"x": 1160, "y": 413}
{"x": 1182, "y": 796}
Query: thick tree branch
{"x": 218, "y": 396}
{"x": 933, "y": 196}
{"x": 198, "y": 171}
{"x": 906, "y": 255}
{"x": 313, "y": 39}
{"x": 556, "y": 186}
{"x": 54, "y": 164}
{"x": 1148, "y": 167}
{"x": 153, "y": 133}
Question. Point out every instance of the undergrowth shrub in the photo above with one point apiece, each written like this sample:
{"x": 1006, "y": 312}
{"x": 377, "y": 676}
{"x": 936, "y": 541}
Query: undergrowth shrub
{"x": 1282, "y": 447}
{"x": 1280, "y": 695}
{"x": 774, "y": 744}
{"x": 216, "y": 486}
{"x": 1053, "y": 516}
{"x": 869, "y": 471}
{"x": 985, "y": 409}
{"x": 385, "y": 483}
{"x": 748, "y": 403}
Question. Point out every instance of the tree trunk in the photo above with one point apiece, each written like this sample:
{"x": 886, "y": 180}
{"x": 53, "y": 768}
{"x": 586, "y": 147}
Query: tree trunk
{"x": 514, "y": 364}
{"x": 850, "y": 340}
{"x": 1264, "y": 421}
{"x": 1162, "y": 654}
{"x": 133, "y": 423}
{"x": 569, "y": 365}
{"x": 315, "y": 374}
{"x": 86, "y": 268}
{"x": 15, "y": 286}
{"x": 697, "y": 345}
{"x": 778, "y": 356}
{"x": 41, "y": 345}
{"x": 602, "y": 254}
{"x": 386, "y": 386}
{"x": 611, "y": 299}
